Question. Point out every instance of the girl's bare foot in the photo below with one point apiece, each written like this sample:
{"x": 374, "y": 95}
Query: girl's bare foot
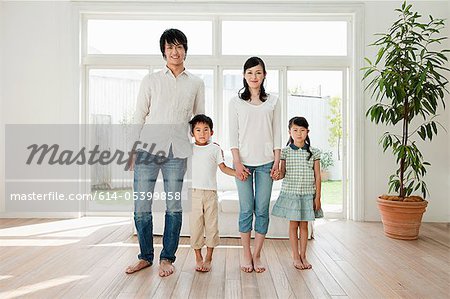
{"x": 165, "y": 268}
{"x": 141, "y": 264}
{"x": 259, "y": 267}
{"x": 306, "y": 264}
{"x": 298, "y": 264}
{"x": 207, "y": 265}
{"x": 247, "y": 265}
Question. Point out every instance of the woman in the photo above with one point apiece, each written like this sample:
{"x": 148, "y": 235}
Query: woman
{"x": 255, "y": 142}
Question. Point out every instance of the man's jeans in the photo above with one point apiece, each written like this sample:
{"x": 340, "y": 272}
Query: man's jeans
{"x": 145, "y": 176}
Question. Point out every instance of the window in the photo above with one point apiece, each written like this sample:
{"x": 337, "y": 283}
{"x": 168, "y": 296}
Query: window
{"x": 317, "y": 96}
{"x": 142, "y": 36}
{"x": 313, "y": 38}
{"x": 308, "y": 57}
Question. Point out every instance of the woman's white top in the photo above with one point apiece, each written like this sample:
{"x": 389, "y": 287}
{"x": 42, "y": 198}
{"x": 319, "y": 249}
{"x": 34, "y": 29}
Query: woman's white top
{"x": 255, "y": 129}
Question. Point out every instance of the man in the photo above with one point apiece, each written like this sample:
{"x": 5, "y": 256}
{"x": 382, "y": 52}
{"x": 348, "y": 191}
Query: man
{"x": 169, "y": 98}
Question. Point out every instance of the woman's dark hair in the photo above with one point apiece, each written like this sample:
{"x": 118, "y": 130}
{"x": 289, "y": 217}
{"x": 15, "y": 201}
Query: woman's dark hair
{"x": 200, "y": 118}
{"x": 245, "y": 95}
{"x": 301, "y": 122}
{"x": 172, "y": 36}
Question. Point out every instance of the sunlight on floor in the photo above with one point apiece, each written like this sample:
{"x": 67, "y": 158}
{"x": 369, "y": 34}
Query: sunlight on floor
{"x": 5, "y": 277}
{"x": 81, "y": 227}
{"x": 28, "y": 289}
{"x": 36, "y": 242}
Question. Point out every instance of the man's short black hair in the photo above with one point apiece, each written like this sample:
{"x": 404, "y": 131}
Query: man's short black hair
{"x": 201, "y": 118}
{"x": 172, "y": 36}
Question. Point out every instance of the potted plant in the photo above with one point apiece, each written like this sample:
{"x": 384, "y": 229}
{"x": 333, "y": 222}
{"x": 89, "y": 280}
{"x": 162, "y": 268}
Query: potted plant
{"x": 326, "y": 161}
{"x": 408, "y": 85}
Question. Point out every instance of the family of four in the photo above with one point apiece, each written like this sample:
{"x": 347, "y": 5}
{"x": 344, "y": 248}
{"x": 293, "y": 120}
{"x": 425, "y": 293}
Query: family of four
{"x": 172, "y": 96}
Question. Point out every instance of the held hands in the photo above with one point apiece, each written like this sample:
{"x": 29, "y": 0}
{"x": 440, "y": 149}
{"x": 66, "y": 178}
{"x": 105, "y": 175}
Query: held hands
{"x": 242, "y": 172}
{"x": 275, "y": 175}
{"x": 275, "y": 172}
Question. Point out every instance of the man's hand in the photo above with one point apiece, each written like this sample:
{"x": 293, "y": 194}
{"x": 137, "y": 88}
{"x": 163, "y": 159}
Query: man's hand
{"x": 131, "y": 161}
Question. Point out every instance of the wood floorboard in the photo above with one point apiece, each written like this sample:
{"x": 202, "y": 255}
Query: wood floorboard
{"x": 86, "y": 258}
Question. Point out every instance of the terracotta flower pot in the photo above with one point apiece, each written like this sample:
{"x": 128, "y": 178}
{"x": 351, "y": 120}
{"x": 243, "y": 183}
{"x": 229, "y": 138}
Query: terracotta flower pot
{"x": 401, "y": 220}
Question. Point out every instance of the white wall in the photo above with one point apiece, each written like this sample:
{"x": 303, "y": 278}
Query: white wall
{"x": 2, "y": 141}
{"x": 39, "y": 73}
{"x": 39, "y": 83}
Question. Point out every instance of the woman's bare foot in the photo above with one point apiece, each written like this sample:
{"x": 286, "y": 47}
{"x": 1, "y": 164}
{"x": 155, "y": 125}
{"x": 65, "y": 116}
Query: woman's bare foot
{"x": 165, "y": 268}
{"x": 298, "y": 264}
{"x": 207, "y": 265}
{"x": 259, "y": 267}
{"x": 247, "y": 265}
{"x": 306, "y": 264}
{"x": 141, "y": 264}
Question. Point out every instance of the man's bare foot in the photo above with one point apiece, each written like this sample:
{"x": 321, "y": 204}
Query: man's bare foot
{"x": 165, "y": 268}
{"x": 306, "y": 264}
{"x": 298, "y": 264}
{"x": 141, "y": 264}
{"x": 247, "y": 265}
{"x": 198, "y": 265}
{"x": 259, "y": 267}
{"x": 207, "y": 265}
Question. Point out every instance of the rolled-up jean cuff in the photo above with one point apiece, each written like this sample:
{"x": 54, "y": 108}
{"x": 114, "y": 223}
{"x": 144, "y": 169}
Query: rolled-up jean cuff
{"x": 165, "y": 259}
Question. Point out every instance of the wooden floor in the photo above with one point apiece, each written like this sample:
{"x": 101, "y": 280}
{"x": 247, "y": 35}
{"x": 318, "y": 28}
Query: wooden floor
{"x": 86, "y": 258}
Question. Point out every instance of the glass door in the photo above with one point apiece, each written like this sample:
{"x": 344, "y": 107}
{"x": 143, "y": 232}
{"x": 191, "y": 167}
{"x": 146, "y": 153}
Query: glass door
{"x": 318, "y": 95}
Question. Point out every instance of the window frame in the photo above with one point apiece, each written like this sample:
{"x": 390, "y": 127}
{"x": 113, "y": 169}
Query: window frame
{"x": 216, "y": 13}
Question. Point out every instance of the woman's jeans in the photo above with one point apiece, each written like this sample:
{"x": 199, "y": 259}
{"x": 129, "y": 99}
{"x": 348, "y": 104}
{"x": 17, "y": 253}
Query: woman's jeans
{"x": 255, "y": 199}
{"x": 145, "y": 176}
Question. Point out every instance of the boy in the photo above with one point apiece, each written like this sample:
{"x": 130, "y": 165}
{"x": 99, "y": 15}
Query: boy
{"x": 203, "y": 217}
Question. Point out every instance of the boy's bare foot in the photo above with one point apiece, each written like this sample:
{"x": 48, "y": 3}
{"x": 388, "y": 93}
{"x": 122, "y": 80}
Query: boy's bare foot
{"x": 198, "y": 260}
{"x": 165, "y": 268}
{"x": 306, "y": 264}
{"x": 141, "y": 264}
{"x": 259, "y": 267}
{"x": 206, "y": 266}
{"x": 247, "y": 265}
{"x": 198, "y": 265}
{"x": 298, "y": 264}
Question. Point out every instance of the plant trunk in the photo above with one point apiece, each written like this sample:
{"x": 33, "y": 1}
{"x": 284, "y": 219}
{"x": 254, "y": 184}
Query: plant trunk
{"x": 404, "y": 143}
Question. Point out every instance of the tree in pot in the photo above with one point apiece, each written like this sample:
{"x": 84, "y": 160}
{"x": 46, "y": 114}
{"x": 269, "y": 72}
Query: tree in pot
{"x": 326, "y": 161}
{"x": 408, "y": 85}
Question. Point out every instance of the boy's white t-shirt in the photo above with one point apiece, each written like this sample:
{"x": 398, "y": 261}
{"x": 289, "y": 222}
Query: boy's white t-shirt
{"x": 205, "y": 160}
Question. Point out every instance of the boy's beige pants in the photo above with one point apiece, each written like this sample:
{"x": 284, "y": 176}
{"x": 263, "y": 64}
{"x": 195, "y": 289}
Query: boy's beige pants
{"x": 204, "y": 218}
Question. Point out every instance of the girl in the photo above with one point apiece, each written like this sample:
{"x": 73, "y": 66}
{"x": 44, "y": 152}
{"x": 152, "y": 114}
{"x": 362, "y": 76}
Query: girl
{"x": 299, "y": 198}
{"x": 255, "y": 142}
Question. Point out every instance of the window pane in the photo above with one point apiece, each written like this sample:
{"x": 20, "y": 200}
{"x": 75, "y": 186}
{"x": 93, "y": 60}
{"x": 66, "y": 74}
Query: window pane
{"x": 112, "y": 100}
{"x": 232, "y": 83}
{"x": 317, "y": 96}
{"x": 142, "y": 36}
{"x": 113, "y": 94}
{"x": 208, "y": 79}
{"x": 316, "y": 38}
